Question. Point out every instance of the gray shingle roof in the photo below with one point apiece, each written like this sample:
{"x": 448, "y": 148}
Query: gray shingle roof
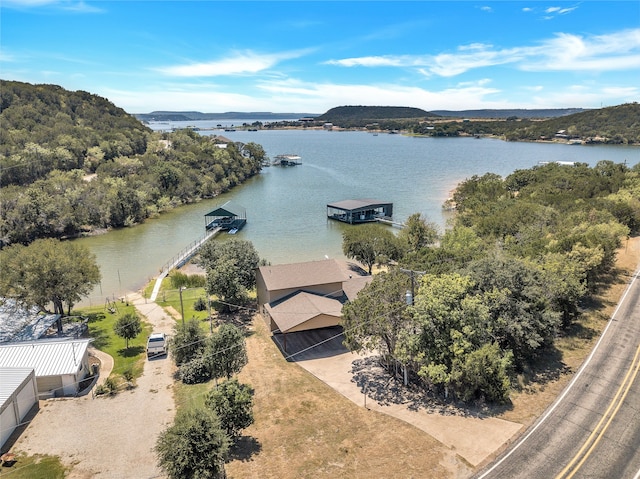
{"x": 302, "y": 307}
{"x": 302, "y": 275}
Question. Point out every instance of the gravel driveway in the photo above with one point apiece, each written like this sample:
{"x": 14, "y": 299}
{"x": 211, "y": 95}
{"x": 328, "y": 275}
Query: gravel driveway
{"x": 109, "y": 437}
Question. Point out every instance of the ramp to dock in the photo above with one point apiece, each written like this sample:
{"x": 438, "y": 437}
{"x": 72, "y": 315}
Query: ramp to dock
{"x": 181, "y": 259}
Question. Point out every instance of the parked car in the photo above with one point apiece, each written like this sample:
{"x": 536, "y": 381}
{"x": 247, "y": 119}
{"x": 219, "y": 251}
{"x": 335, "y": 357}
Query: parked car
{"x": 156, "y": 345}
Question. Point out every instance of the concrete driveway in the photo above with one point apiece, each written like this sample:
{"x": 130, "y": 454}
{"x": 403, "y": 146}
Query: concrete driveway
{"x": 361, "y": 379}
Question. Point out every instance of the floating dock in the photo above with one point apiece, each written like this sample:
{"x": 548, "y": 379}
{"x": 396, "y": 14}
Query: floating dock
{"x": 360, "y": 211}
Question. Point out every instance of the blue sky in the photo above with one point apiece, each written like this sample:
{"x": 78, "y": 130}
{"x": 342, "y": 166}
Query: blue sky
{"x": 307, "y": 57}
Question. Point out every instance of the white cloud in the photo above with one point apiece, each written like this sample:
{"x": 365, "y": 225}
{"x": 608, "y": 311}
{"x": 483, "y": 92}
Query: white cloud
{"x": 293, "y": 95}
{"x": 564, "y": 52}
{"x": 75, "y": 6}
{"x": 376, "y": 61}
{"x": 568, "y": 52}
{"x": 241, "y": 63}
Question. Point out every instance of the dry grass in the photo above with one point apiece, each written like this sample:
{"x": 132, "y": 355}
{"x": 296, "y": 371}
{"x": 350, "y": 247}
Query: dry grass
{"x": 303, "y": 428}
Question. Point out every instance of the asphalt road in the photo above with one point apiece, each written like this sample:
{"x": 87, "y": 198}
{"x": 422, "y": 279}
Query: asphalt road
{"x": 593, "y": 429}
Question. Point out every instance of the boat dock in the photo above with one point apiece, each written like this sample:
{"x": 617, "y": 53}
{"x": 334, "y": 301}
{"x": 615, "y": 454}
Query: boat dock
{"x": 287, "y": 160}
{"x": 360, "y": 211}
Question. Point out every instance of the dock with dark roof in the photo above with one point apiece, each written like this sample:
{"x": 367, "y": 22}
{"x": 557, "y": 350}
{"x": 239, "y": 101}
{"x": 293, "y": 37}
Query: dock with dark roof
{"x": 359, "y": 211}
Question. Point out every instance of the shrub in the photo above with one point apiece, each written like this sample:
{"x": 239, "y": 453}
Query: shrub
{"x": 200, "y": 304}
{"x": 196, "y": 371}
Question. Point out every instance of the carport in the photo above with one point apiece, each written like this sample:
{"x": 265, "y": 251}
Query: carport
{"x": 303, "y": 311}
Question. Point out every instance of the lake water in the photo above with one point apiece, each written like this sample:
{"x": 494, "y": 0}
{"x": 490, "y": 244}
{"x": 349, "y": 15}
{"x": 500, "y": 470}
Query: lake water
{"x": 286, "y": 207}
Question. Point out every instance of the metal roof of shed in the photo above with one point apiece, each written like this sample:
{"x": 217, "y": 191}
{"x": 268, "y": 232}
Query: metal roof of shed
{"x": 10, "y": 380}
{"x": 46, "y": 357}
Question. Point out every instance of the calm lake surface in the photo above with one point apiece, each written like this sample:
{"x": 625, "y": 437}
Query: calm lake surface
{"x": 286, "y": 207}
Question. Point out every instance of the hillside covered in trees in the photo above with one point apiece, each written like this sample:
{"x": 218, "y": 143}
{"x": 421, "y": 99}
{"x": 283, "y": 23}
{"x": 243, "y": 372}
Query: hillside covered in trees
{"x": 361, "y": 116}
{"x": 612, "y": 125}
{"x": 496, "y": 291}
{"x": 72, "y": 162}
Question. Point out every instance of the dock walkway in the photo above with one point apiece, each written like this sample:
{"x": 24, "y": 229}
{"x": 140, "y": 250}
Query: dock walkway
{"x": 181, "y": 259}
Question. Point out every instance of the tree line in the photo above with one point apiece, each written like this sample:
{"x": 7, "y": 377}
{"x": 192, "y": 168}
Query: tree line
{"x": 72, "y": 163}
{"x": 611, "y": 125}
{"x": 463, "y": 312}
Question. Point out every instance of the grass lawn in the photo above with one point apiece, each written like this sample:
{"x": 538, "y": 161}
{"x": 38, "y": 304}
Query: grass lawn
{"x": 35, "y": 467}
{"x": 105, "y": 339}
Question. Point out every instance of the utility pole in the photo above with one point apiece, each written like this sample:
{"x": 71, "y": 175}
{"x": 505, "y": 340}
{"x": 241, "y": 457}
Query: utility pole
{"x": 410, "y": 299}
{"x": 412, "y": 274}
{"x": 182, "y": 306}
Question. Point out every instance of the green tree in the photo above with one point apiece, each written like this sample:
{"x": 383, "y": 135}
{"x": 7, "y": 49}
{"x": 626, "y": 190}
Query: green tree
{"x": 228, "y": 351}
{"x": 223, "y": 281}
{"x": 230, "y": 268}
{"x": 128, "y": 326}
{"x": 188, "y": 341}
{"x": 376, "y": 318}
{"x": 418, "y": 233}
{"x": 483, "y": 374}
{"x": 194, "y": 447}
{"x": 48, "y": 271}
{"x": 370, "y": 244}
{"x": 233, "y": 404}
{"x": 452, "y": 322}
{"x": 522, "y": 319}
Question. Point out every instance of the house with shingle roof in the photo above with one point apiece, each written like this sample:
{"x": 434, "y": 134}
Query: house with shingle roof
{"x": 304, "y": 296}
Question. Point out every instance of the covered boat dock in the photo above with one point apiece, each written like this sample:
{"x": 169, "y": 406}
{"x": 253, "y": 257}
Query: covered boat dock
{"x": 230, "y": 217}
{"x": 359, "y": 211}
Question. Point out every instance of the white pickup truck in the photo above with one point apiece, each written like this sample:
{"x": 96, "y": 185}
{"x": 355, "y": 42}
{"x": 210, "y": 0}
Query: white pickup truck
{"x": 156, "y": 344}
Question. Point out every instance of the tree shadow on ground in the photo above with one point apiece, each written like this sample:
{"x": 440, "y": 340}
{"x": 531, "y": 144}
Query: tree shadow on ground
{"x": 244, "y": 449}
{"x": 131, "y": 351}
{"x": 241, "y": 318}
{"x": 100, "y": 339}
{"x": 95, "y": 317}
{"x": 386, "y": 389}
{"x": 547, "y": 367}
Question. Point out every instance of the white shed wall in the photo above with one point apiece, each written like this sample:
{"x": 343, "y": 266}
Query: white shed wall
{"x": 8, "y": 423}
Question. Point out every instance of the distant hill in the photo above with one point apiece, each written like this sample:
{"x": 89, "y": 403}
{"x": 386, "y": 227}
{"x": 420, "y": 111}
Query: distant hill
{"x": 512, "y": 113}
{"x": 235, "y": 115}
{"x": 347, "y": 115}
{"x": 612, "y": 125}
